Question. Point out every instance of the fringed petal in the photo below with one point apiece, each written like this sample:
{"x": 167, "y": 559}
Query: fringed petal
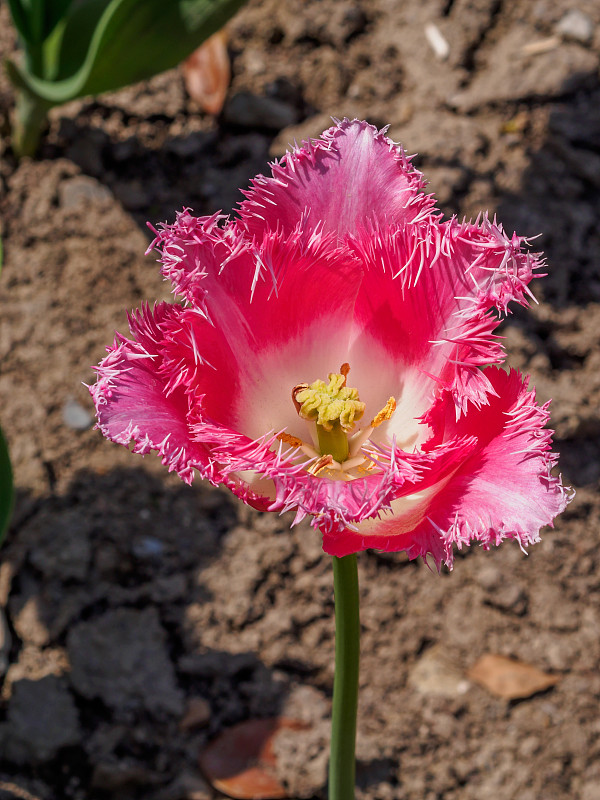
{"x": 432, "y": 296}
{"x": 133, "y": 405}
{"x": 503, "y": 489}
{"x": 352, "y": 174}
{"x": 268, "y": 318}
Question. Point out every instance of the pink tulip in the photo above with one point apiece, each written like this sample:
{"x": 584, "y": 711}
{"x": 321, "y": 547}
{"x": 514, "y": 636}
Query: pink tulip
{"x": 335, "y": 354}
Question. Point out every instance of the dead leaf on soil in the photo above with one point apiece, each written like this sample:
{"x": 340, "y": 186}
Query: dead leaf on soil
{"x": 207, "y": 72}
{"x": 508, "y": 678}
{"x": 241, "y": 761}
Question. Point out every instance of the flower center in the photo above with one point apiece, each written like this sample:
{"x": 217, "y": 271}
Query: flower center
{"x": 334, "y": 407}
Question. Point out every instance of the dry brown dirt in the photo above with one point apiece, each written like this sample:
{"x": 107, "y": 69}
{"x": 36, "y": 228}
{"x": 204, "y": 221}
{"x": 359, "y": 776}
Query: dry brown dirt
{"x": 129, "y": 597}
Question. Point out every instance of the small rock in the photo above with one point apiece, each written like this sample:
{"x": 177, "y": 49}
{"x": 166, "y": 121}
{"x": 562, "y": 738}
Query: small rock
{"x": 147, "y": 548}
{"x": 255, "y": 111}
{"x": 75, "y": 416}
{"x": 577, "y": 26}
{"x": 436, "y": 673}
{"x": 80, "y": 190}
{"x": 197, "y": 714}
{"x": 437, "y": 42}
{"x": 41, "y": 719}
{"x": 121, "y": 657}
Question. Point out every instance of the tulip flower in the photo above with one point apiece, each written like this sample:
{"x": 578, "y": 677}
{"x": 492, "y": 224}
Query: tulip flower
{"x": 334, "y": 353}
{"x": 329, "y": 358}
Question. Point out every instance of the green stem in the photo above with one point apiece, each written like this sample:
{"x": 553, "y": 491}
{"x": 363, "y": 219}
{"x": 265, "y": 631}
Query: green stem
{"x": 30, "y": 118}
{"x": 345, "y": 683}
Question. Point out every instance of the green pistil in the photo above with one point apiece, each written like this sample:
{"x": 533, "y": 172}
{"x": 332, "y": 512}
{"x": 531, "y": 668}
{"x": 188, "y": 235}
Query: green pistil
{"x": 335, "y": 408}
{"x": 334, "y": 442}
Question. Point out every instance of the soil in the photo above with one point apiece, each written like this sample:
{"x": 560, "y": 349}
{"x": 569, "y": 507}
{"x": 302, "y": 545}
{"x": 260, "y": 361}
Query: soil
{"x": 133, "y": 601}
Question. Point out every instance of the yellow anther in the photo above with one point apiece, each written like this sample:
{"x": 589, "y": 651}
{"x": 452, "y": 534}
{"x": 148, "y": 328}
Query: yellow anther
{"x": 327, "y": 404}
{"x": 385, "y": 413}
{"x": 287, "y": 438}
{"x": 321, "y": 464}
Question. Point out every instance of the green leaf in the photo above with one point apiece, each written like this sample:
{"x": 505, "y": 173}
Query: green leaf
{"x": 20, "y": 19}
{"x": 54, "y": 12}
{"x": 6, "y": 486}
{"x": 36, "y": 19}
{"x": 106, "y": 46}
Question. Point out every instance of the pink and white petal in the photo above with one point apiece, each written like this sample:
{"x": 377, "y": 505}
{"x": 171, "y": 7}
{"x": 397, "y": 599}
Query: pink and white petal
{"x": 132, "y": 403}
{"x": 504, "y": 489}
{"x": 273, "y": 288}
{"x": 428, "y": 295}
{"x": 405, "y": 308}
{"x": 352, "y": 174}
{"x": 271, "y": 318}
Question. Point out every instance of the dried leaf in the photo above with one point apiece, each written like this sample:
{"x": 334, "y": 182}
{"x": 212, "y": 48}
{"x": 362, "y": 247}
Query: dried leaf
{"x": 508, "y": 678}
{"x": 241, "y": 761}
{"x": 207, "y": 73}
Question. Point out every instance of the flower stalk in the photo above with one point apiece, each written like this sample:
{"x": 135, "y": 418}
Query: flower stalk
{"x": 30, "y": 117}
{"x": 342, "y": 765}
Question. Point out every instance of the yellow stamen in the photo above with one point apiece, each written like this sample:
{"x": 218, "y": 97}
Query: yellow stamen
{"x": 385, "y": 413}
{"x": 321, "y": 464}
{"x": 327, "y": 404}
{"x": 334, "y": 407}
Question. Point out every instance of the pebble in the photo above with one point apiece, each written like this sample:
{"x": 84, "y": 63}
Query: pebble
{"x": 76, "y": 417}
{"x": 577, "y": 26}
{"x": 437, "y": 42}
{"x": 435, "y": 673}
{"x": 147, "y": 548}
